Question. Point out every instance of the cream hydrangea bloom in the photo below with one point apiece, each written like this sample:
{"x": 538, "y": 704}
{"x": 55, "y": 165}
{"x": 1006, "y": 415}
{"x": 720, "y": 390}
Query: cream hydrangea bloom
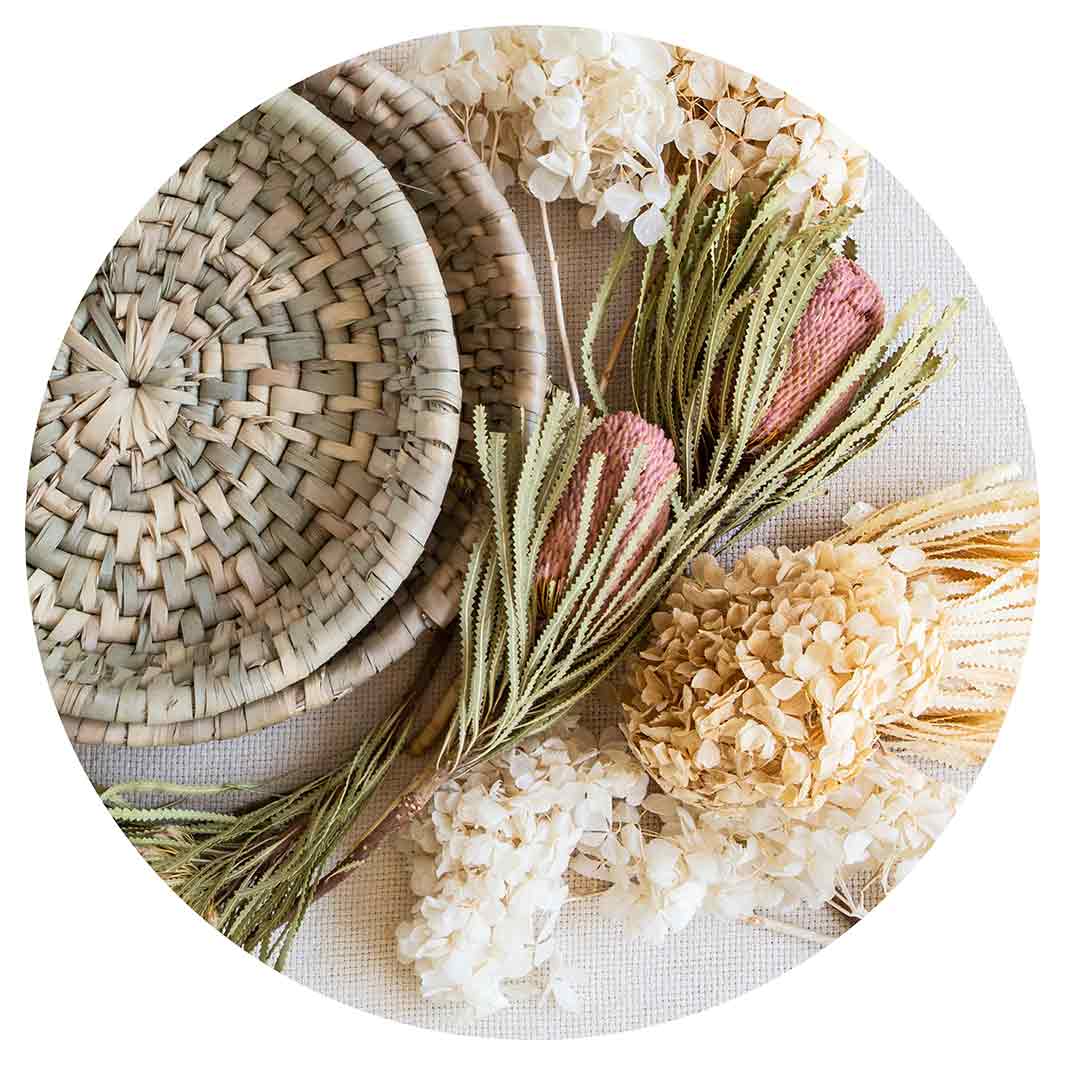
{"x": 602, "y": 118}
{"x": 745, "y": 128}
{"x": 492, "y": 862}
{"x": 769, "y": 682}
{"x": 489, "y": 860}
{"x": 729, "y": 863}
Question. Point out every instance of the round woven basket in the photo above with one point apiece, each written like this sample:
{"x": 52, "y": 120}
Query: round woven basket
{"x": 498, "y": 319}
{"x": 247, "y": 434}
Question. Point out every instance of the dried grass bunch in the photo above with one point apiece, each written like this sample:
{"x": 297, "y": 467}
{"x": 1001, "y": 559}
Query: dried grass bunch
{"x": 253, "y": 875}
{"x": 976, "y": 545}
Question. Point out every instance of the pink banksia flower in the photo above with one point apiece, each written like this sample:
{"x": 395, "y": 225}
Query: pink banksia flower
{"x": 844, "y": 315}
{"x": 617, "y": 437}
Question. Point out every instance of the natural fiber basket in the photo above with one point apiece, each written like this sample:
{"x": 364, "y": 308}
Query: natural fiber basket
{"x": 499, "y": 323}
{"x": 247, "y": 434}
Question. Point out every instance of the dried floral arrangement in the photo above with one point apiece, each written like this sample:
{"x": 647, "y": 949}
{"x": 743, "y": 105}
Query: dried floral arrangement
{"x": 772, "y": 794}
{"x": 762, "y": 802}
{"x": 766, "y": 712}
{"x": 594, "y": 519}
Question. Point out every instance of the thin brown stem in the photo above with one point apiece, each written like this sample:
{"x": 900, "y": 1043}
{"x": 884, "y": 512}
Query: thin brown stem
{"x": 434, "y": 727}
{"x": 556, "y": 288}
{"x": 493, "y": 158}
{"x": 400, "y": 814}
{"x": 615, "y": 350}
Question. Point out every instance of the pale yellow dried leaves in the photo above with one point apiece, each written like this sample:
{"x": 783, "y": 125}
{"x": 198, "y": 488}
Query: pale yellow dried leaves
{"x": 978, "y": 543}
{"x": 769, "y": 682}
{"x": 779, "y": 679}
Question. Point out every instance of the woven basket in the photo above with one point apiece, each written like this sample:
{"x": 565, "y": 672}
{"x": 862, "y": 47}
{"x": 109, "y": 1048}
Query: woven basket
{"x": 247, "y": 435}
{"x": 499, "y": 323}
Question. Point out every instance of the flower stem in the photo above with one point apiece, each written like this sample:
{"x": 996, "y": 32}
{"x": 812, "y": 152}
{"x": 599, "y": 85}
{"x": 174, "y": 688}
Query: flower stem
{"x": 556, "y": 287}
{"x": 434, "y": 727}
{"x": 769, "y": 924}
{"x": 615, "y": 349}
{"x": 398, "y": 815}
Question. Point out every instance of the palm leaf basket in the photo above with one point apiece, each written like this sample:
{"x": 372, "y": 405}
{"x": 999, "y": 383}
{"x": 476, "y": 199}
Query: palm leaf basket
{"x": 498, "y": 320}
{"x": 498, "y": 313}
{"x": 246, "y": 439}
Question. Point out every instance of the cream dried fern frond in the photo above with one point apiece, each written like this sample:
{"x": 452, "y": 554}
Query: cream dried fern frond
{"x": 977, "y": 542}
{"x": 780, "y": 679}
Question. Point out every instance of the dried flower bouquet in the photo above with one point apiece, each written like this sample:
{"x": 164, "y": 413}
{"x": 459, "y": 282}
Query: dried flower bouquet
{"x": 762, "y": 361}
{"x": 561, "y": 588}
{"x": 768, "y": 803}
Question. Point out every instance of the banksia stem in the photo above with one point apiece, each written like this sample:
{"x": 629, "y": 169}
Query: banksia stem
{"x": 254, "y": 874}
{"x": 433, "y": 729}
{"x": 400, "y": 814}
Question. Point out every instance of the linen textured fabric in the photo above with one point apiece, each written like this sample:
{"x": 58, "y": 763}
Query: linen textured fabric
{"x": 346, "y": 949}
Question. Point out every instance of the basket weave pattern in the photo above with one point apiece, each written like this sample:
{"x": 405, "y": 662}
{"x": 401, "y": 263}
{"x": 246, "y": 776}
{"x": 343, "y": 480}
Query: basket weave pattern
{"x": 498, "y": 309}
{"x": 498, "y": 319}
{"x": 247, "y": 436}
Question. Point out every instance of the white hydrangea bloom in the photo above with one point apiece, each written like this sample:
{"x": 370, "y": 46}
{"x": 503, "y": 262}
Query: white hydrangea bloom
{"x": 489, "y": 859}
{"x": 768, "y": 857}
{"x": 578, "y": 114}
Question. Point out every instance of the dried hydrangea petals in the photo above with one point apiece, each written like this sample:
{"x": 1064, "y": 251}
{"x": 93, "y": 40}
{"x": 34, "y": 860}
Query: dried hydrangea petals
{"x": 762, "y": 124}
{"x": 728, "y": 863}
{"x": 706, "y": 78}
{"x": 627, "y": 102}
{"x": 650, "y": 226}
{"x": 488, "y": 862}
{"x": 770, "y": 681}
{"x": 730, "y": 114}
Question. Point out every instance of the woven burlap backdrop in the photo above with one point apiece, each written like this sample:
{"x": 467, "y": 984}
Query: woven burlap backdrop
{"x": 973, "y": 419}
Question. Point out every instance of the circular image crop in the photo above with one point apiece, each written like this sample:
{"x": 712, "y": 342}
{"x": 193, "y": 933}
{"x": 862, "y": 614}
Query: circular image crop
{"x": 502, "y": 540}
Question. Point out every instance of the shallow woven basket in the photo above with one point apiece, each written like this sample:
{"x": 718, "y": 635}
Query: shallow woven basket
{"x": 247, "y": 435}
{"x": 499, "y": 323}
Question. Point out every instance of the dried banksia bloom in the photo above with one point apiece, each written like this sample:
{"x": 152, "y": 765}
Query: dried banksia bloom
{"x": 843, "y": 317}
{"x": 770, "y": 682}
{"x": 615, "y": 439}
{"x": 762, "y": 351}
{"x": 580, "y": 548}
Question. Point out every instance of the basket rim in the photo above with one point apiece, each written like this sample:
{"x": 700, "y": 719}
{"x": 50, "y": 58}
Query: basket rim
{"x": 404, "y": 623}
{"x": 350, "y": 161}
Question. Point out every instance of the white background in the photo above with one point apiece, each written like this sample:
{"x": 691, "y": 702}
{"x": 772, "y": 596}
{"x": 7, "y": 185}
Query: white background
{"x": 99, "y": 102}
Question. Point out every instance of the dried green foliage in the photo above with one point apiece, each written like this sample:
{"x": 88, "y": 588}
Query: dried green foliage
{"x": 254, "y": 874}
{"x": 720, "y": 298}
{"x": 527, "y": 659}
